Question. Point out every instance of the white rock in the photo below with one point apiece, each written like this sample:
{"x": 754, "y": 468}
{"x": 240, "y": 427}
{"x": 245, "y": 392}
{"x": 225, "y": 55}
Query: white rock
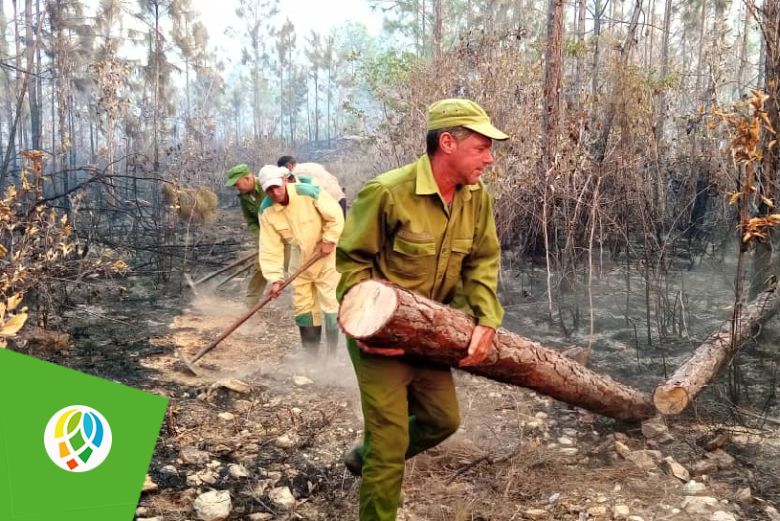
{"x": 537, "y": 513}
{"x": 541, "y": 415}
{"x": 149, "y": 485}
{"x": 282, "y": 498}
{"x": 555, "y": 497}
{"x": 193, "y": 456}
{"x": 234, "y": 384}
{"x": 699, "y": 505}
{"x": 635, "y": 518}
{"x": 622, "y": 449}
{"x": 237, "y": 471}
{"x": 213, "y": 505}
{"x": 722, "y": 515}
{"x": 597, "y": 511}
{"x": 141, "y": 511}
{"x": 675, "y": 469}
{"x": 170, "y": 470}
{"x": 260, "y": 517}
{"x": 694, "y": 488}
{"x": 654, "y": 427}
{"x": 744, "y": 495}
{"x": 571, "y": 451}
{"x": 565, "y": 441}
{"x": 284, "y": 442}
{"x": 301, "y": 381}
{"x": 723, "y": 459}
{"x": 226, "y": 416}
{"x": 642, "y": 459}
{"x": 772, "y": 513}
{"x": 149, "y": 519}
{"x": 620, "y": 512}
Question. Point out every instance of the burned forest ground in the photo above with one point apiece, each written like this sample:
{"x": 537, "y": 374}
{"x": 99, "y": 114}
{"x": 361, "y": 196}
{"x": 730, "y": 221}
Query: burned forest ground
{"x": 270, "y": 427}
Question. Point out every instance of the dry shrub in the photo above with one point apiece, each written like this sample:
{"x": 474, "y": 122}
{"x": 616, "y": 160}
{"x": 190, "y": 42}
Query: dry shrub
{"x": 190, "y": 203}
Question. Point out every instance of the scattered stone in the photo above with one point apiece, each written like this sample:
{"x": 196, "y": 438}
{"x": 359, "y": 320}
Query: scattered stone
{"x": 622, "y": 449}
{"x": 260, "y": 517}
{"x": 744, "y": 495}
{"x": 301, "y": 381}
{"x": 675, "y": 469}
{"x": 597, "y": 511}
{"x": 565, "y": 441}
{"x": 722, "y": 515}
{"x": 622, "y": 438}
{"x": 694, "y": 488}
{"x": 541, "y": 415}
{"x": 226, "y": 416}
{"x": 234, "y": 384}
{"x": 282, "y": 498}
{"x": 141, "y": 511}
{"x": 536, "y": 513}
{"x": 654, "y": 428}
{"x": 620, "y": 512}
{"x": 772, "y": 513}
{"x": 602, "y": 499}
{"x": 193, "y": 456}
{"x": 284, "y": 442}
{"x": 213, "y": 505}
{"x": 149, "y": 485}
{"x": 705, "y": 466}
{"x": 205, "y": 476}
{"x": 170, "y": 470}
{"x": 723, "y": 459}
{"x": 237, "y": 471}
{"x": 214, "y": 464}
{"x": 699, "y": 505}
{"x": 635, "y": 518}
{"x": 555, "y": 497}
{"x": 571, "y": 451}
{"x": 642, "y": 459}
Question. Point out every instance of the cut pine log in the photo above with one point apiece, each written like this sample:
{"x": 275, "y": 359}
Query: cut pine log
{"x": 674, "y": 395}
{"x": 381, "y": 314}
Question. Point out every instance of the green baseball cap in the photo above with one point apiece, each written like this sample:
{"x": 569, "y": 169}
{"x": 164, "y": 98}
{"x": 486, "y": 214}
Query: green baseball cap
{"x": 458, "y": 112}
{"x": 236, "y": 173}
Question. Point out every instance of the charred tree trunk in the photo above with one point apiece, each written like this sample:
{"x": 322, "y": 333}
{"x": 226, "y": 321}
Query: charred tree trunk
{"x": 674, "y": 395}
{"x": 381, "y": 314}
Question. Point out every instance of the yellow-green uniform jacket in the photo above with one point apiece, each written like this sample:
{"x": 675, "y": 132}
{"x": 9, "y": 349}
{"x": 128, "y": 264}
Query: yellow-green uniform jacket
{"x": 310, "y": 216}
{"x": 400, "y": 229}
{"x": 250, "y": 206}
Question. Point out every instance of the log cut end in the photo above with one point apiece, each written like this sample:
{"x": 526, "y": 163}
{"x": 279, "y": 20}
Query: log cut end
{"x": 366, "y": 308}
{"x": 670, "y": 399}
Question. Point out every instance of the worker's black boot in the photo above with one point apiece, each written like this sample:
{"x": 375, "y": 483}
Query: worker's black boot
{"x": 310, "y": 339}
{"x": 332, "y": 339}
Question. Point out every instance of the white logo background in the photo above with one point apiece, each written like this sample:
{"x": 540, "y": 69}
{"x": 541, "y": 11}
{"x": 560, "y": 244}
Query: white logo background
{"x": 99, "y": 454}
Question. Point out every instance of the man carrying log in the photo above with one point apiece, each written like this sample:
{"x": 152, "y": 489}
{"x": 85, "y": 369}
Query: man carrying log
{"x": 250, "y": 197}
{"x": 310, "y": 221}
{"x": 427, "y": 227}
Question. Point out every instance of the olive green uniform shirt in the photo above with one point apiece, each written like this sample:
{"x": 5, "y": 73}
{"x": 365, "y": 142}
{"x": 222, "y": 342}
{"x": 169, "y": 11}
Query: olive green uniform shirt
{"x": 400, "y": 229}
{"x": 250, "y": 205}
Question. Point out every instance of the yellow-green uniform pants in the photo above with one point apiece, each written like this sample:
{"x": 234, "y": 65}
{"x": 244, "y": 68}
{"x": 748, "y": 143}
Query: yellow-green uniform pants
{"x": 314, "y": 290}
{"x": 407, "y": 408}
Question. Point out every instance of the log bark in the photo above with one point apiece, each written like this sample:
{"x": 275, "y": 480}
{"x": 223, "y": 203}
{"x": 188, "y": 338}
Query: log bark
{"x": 382, "y": 314}
{"x": 674, "y": 395}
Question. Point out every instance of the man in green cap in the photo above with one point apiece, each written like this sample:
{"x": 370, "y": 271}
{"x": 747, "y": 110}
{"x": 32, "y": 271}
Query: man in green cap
{"x": 428, "y": 227}
{"x": 250, "y": 196}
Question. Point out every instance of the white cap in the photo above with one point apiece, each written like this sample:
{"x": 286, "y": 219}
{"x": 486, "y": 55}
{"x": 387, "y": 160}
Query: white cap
{"x": 272, "y": 175}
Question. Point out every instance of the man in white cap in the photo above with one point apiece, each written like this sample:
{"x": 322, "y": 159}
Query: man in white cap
{"x": 309, "y": 220}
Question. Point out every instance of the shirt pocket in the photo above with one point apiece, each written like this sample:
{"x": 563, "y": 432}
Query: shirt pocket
{"x": 412, "y": 259}
{"x": 460, "y": 248}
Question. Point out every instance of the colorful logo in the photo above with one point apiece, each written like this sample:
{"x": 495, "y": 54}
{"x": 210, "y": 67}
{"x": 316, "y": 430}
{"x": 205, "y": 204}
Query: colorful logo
{"x": 77, "y": 438}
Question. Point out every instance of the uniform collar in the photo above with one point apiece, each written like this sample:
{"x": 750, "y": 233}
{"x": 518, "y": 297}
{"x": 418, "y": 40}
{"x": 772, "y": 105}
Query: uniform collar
{"x": 426, "y": 184}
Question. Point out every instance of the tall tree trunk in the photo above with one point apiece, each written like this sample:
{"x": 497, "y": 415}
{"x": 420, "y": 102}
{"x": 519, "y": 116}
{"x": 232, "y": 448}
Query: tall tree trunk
{"x": 552, "y": 82}
{"x": 770, "y": 23}
{"x": 32, "y": 94}
{"x": 437, "y": 28}
{"x": 700, "y": 69}
{"x": 660, "y": 121}
{"x": 581, "y": 10}
{"x": 742, "y": 57}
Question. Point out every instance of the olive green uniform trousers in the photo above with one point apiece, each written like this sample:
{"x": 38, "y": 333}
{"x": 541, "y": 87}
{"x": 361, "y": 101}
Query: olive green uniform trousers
{"x": 407, "y": 408}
